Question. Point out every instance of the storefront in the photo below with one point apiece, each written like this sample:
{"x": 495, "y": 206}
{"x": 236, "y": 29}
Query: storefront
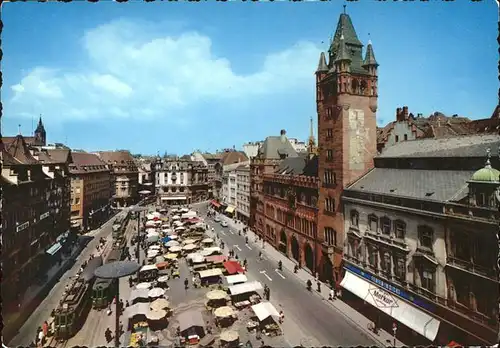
{"x": 390, "y": 307}
{"x": 215, "y": 205}
{"x": 229, "y": 211}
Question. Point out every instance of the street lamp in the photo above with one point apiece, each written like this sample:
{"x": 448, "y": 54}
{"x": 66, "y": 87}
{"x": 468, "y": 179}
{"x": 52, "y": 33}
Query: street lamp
{"x": 115, "y": 271}
{"x": 138, "y": 210}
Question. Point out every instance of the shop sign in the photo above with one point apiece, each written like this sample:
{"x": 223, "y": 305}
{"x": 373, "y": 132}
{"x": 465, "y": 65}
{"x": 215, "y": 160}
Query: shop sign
{"x": 382, "y": 298}
{"x": 44, "y": 215}
{"x": 389, "y": 287}
{"x": 22, "y": 226}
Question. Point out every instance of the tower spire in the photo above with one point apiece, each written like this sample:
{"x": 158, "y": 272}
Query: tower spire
{"x": 311, "y": 143}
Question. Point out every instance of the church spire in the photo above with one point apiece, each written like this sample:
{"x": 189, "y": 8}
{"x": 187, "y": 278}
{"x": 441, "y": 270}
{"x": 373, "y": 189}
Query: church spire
{"x": 322, "y": 67}
{"x": 311, "y": 143}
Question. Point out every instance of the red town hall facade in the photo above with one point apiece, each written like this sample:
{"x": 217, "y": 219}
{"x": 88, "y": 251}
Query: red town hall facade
{"x": 346, "y": 98}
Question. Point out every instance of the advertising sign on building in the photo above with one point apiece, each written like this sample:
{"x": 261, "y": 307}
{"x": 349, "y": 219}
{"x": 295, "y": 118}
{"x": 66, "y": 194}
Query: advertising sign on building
{"x": 382, "y": 298}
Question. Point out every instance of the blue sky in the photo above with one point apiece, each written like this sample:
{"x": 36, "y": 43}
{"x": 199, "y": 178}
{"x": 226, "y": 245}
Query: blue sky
{"x": 182, "y": 76}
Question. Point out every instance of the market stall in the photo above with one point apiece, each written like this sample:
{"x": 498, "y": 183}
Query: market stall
{"x": 245, "y": 294}
{"x": 224, "y": 316}
{"x": 191, "y": 326}
{"x": 210, "y": 276}
{"x": 230, "y": 339}
{"x": 138, "y": 296}
{"x": 148, "y": 272}
{"x": 265, "y": 314}
{"x": 156, "y": 292}
{"x": 236, "y": 279}
{"x": 233, "y": 267}
{"x": 136, "y": 313}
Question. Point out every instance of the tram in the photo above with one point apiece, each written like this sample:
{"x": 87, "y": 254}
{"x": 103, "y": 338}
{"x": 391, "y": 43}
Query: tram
{"x": 72, "y": 311}
{"x": 104, "y": 290}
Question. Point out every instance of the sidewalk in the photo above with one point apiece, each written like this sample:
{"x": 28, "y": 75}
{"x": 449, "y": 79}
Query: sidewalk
{"x": 13, "y": 321}
{"x": 384, "y": 338}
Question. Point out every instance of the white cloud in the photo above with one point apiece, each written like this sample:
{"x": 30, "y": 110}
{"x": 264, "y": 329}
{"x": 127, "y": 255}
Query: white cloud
{"x": 133, "y": 71}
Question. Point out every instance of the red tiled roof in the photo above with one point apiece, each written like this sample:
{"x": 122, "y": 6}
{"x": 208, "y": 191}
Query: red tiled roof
{"x": 84, "y": 162}
{"x": 233, "y": 267}
{"x": 19, "y": 150}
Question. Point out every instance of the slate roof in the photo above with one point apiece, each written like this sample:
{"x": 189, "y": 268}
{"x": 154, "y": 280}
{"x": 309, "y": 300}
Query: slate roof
{"x": 7, "y": 158}
{"x": 273, "y": 147}
{"x": 117, "y": 158}
{"x": 463, "y": 146}
{"x": 300, "y": 165}
{"x": 212, "y": 157}
{"x": 28, "y": 140}
{"x": 412, "y": 183}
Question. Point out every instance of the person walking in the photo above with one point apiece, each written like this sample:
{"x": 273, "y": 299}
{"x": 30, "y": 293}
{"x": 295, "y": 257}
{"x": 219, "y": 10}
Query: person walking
{"x": 282, "y": 317}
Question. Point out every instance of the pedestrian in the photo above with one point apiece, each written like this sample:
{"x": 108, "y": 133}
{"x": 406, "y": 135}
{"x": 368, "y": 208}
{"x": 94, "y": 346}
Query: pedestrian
{"x": 282, "y": 317}
{"x": 332, "y": 295}
{"x": 45, "y": 328}
{"x": 41, "y": 338}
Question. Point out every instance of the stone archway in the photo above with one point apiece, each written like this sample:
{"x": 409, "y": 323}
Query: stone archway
{"x": 283, "y": 245}
{"x": 309, "y": 257}
{"x": 295, "y": 249}
{"x": 327, "y": 269}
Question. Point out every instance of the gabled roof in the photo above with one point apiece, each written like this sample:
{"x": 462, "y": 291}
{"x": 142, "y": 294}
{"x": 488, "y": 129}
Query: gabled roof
{"x": 19, "y": 150}
{"x": 7, "y": 158}
{"x": 28, "y": 140}
{"x": 276, "y": 146}
{"x": 54, "y": 156}
{"x": 118, "y": 158}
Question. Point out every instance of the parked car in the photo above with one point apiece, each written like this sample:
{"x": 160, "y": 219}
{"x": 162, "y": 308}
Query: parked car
{"x": 223, "y": 223}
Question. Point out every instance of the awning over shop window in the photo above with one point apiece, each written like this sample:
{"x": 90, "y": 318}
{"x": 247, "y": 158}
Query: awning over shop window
{"x": 54, "y": 249}
{"x": 215, "y": 204}
{"x": 414, "y": 318}
{"x": 230, "y": 209}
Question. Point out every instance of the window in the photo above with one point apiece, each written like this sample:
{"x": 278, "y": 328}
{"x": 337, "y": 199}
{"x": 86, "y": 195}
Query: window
{"x": 329, "y": 133}
{"x": 329, "y": 178}
{"x": 330, "y": 236}
{"x": 462, "y": 246}
{"x": 330, "y": 204}
{"x": 427, "y": 278}
{"x": 400, "y": 267}
{"x": 329, "y": 113}
{"x": 329, "y": 155}
{"x": 385, "y": 225}
{"x": 372, "y": 255}
{"x": 385, "y": 261}
{"x": 399, "y": 229}
{"x": 406, "y": 136}
{"x": 480, "y": 200}
{"x": 354, "y": 218}
{"x": 373, "y": 223}
{"x": 425, "y": 236}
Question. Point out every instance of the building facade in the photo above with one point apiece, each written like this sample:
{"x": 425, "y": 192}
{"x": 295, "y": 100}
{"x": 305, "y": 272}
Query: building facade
{"x": 243, "y": 193}
{"x": 91, "y": 192}
{"x": 273, "y": 150}
{"x": 291, "y": 209}
{"x": 420, "y": 241}
{"x": 146, "y": 178}
{"x": 35, "y": 216}
{"x": 212, "y": 162}
{"x": 124, "y": 177}
{"x": 181, "y": 181}
{"x": 346, "y": 97}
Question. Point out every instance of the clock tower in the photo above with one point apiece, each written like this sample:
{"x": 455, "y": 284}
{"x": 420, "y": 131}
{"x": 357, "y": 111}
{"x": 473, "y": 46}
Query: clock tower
{"x": 346, "y": 99}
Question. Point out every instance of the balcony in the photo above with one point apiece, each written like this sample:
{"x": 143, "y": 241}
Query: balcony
{"x": 470, "y": 267}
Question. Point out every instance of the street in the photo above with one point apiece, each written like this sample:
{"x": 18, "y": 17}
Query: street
{"x": 27, "y": 332}
{"x": 319, "y": 322}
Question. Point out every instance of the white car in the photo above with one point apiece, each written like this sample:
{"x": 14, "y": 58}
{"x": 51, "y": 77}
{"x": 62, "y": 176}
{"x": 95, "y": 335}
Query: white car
{"x": 223, "y": 223}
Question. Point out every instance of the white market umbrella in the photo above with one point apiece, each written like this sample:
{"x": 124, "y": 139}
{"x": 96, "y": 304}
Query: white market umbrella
{"x": 156, "y": 292}
{"x": 178, "y": 223}
{"x": 144, "y": 285}
{"x": 159, "y": 259}
{"x": 153, "y": 253}
{"x": 176, "y": 217}
{"x": 172, "y": 243}
{"x": 150, "y": 230}
{"x": 174, "y": 249}
{"x": 156, "y": 314}
{"x": 189, "y": 247}
{"x": 150, "y": 224}
{"x": 163, "y": 279}
{"x": 159, "y": 304}
{"x": 150, "y": 216}
{"x": 152, "y": 238}
{"x": 229, "y": 336}
{"x": 207, "y": 241}
{"x": 189, "y": 241}
{"x": 180, "y": 228}
{"x": 173, "y": 236}
{"x": 154, "y": 247}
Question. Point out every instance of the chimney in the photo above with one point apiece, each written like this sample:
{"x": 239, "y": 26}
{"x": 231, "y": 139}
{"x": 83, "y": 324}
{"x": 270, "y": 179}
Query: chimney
{"x": 405, "y": 112}
{"x": 399, "y": 114}
{"x": 283, "y": 135}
